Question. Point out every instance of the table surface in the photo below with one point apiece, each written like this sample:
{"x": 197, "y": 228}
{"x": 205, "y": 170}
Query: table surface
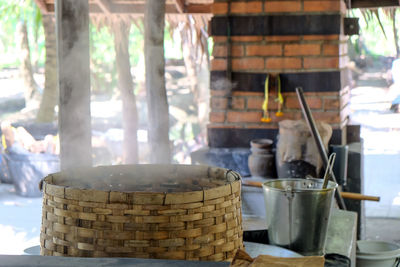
{"x": 51, "y": 261}
{"x": 253, "y": 249}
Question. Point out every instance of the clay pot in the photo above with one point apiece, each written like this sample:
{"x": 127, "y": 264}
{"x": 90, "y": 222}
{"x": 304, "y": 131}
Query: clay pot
{"x": 261, "y": 160}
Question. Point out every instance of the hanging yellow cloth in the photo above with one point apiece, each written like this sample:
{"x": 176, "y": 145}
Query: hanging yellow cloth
{"x": 266, "y": 117}
{"x": 3, "y": 141}
{"x": 279, "y": 99}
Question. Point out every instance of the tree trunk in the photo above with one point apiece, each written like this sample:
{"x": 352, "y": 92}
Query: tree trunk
{"x": 30, "y": 87}
{"x": 50, "y": 93}
{"x": 156, "y": 94}
{"x": 196, "y": 64}
{"x": 125, "y": 84}
{"x": 396, "y": 37}
{"x": 74, "y": 120}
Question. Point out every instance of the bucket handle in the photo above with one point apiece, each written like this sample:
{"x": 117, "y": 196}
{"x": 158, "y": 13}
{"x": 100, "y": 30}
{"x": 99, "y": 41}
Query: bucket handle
{"x": 397, "y": 262}
{"x": 290, "y": 195}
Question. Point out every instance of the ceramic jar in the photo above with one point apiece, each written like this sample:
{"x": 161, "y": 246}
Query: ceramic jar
{"x": 261, "y": 160}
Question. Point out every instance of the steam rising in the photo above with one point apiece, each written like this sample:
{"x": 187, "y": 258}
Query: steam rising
{"x": 145, "y": 178}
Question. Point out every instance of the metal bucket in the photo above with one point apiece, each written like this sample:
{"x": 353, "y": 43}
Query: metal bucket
{"x": 297, "y": 213}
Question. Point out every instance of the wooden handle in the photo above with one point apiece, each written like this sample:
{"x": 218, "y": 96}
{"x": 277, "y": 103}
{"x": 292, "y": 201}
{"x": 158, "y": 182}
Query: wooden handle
{"x": 357, "y": 196}
{"x": 348, "y": 195}
{"x": 252, "y": 183}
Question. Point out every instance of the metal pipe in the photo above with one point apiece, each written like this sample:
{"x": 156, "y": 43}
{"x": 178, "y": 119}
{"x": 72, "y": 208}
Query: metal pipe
{"x": 320, "y": 145}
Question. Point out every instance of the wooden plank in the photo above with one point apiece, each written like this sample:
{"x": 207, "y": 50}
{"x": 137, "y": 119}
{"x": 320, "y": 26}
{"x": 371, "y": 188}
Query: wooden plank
{"x": 156, "y": 95}
{"x": 198, "y": 9}
{"x": 74, "y": 120}
{"x": 373, "y": 3}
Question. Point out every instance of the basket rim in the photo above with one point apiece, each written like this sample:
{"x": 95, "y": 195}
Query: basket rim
{"x": 232, "y": 186}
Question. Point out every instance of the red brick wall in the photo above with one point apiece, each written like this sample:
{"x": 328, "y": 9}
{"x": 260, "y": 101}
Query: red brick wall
{"x": 278, "y": 54}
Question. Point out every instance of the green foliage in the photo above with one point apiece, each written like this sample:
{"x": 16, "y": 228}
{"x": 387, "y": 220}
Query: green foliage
{"x": 12, "y": 12}
{"x": 172, "y": 43}
{"x": 104, "y": 76}
{"x": 376, "y": 35}
{"x": 136, "y": 43}
{"x": 102, "y": 63}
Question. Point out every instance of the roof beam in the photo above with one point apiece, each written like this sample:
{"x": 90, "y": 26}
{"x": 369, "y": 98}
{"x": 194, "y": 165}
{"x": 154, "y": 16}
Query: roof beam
{"x": 373, "y": 3}
{"x": 105, "y": 6}
{"x": 138, "y": 9}
{"x": 198, "y": 9}
{"x": 180, "y": 6}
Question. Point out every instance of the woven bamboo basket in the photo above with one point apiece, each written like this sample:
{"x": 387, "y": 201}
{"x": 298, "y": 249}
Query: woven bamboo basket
{"x": 186, "y": 212}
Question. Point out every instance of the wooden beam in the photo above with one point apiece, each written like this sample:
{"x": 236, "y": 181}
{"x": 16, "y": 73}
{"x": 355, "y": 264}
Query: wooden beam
{"x": 138, "y": 9}
{"x": 373, "y": 3}
{"x": 198, "y": 9}
{"x": 105, "y": 6}
{"x": 42, "y": 6}
{"x": 74, "y": 120}
{"x": 180, "y": 6}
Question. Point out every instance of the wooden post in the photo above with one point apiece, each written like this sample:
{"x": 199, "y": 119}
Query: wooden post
{"x": 25, "y": 68}
{"x": 74, "y": 120}
{"x": 125, "y": 84}
{"x": 156, "y": 94}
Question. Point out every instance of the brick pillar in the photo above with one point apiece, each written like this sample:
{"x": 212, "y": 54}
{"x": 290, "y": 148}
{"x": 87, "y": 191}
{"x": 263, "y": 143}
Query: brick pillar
{"x": 301, "y": 40}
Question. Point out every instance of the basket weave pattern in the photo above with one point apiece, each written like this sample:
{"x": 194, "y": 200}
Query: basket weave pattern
{"x": 193, "y": 225}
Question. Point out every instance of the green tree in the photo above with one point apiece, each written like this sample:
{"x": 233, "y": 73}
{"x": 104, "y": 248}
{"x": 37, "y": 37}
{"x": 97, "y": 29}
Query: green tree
{"x": 50, "y": 92}
{"x": 20, "y": 14}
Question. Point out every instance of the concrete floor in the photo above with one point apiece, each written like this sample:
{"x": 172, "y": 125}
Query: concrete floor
{"x": 380, "y": 130}
{"x": 20, "y": 220}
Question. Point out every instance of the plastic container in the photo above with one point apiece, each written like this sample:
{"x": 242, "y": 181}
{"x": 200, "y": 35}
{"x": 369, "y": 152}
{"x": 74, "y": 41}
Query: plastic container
{"x": 5, "y": 176}
{"x": 297, "y": 212}
{"x": 26, "y": 171}
{"x": 377, "y": 254}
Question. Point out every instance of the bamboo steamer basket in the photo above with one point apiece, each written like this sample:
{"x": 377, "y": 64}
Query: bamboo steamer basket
{"x": 185, "y": 212}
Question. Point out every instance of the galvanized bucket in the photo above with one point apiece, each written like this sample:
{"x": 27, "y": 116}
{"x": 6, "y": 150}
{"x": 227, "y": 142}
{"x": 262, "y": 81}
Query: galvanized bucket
{"x": 297, "y": 213}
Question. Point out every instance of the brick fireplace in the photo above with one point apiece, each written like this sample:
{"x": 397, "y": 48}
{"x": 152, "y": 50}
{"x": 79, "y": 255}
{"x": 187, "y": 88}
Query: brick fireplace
{"x": 302, "y": 41}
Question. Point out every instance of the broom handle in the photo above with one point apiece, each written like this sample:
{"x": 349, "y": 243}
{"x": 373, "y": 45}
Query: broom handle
{"x": 348, "y": 195}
